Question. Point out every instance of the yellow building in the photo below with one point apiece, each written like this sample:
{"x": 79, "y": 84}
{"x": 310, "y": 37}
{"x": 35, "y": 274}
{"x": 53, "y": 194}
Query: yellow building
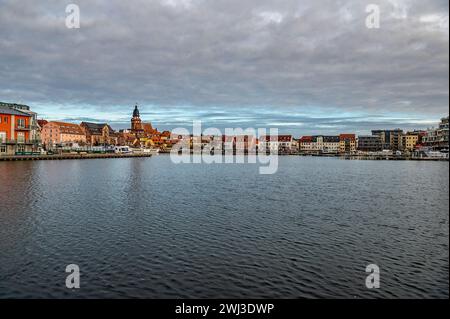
{"x": 410, "y": 141}
{"x": 347, "y": 143}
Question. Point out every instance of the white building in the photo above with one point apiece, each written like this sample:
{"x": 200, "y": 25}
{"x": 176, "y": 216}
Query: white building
{"x": 276, "y": 143}
{"x": 320, "y": 144}
{"x": 438, "y": 138}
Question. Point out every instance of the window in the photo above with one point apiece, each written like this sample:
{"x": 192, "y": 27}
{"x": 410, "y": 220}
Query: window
{"x": 5, "y": 119}
{"x": 20, "y": 123}
{"x": 2, "y": 137}
{"x": 20, "y": 137}
{"x": 2, "y": 148}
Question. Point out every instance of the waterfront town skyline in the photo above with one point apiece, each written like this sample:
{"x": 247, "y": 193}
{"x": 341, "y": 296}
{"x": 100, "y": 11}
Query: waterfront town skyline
{"x": 22, "y": 131}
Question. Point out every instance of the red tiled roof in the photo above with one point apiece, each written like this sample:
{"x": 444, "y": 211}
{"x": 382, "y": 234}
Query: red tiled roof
{"x": 281, "y": 138}
{"x": 42, "y": 123}
{"x": 347, "y": 136}
{"x": 166, "y": 134}
{"x": 69, "y": 128}
{"x": 305, "y": 139}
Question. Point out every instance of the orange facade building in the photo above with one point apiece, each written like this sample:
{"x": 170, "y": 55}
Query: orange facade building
{"x": 14, "y": 132}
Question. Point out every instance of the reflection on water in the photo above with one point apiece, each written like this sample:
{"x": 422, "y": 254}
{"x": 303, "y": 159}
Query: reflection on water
{"x": 146, "y": 228}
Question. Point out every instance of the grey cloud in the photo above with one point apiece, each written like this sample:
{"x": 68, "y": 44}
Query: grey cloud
{"x": 217, "y": 57}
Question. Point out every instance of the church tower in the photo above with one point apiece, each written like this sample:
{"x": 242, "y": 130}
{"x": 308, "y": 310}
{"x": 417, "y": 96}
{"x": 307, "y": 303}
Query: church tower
{"x": 136, "y": 122}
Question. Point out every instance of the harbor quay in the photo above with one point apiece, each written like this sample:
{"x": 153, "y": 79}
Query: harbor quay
{"x": 71, "y": 156}
{"x": 85, "y": 155}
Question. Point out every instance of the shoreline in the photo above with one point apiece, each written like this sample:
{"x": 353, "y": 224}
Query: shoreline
{"x": 361, "y": 157}
{"x": 140, "y": 155}
{"x": 68, "y": 157}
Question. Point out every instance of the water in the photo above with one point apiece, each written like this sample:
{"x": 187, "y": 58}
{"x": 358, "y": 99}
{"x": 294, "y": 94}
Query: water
{"x": 146, "y": 228}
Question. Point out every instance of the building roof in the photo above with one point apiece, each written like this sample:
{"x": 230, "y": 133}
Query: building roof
{"x": 279, "y": 138}
{"x": 136, "y": 111}
{"x": 69, "y": 128}
{"x": 10, "y": 111}
{"x": 148, "y": 129}
{"x": 166, "y": 134}
{"x": 305, "y": 139}
{"x": 331, "y": 139}
{"x": 397, "y": 130}
{"x": 42, "y": 123}
{"x": 347, "y": 136}
{"x": 15, "y": 106}
{"x": 96, "y": 128}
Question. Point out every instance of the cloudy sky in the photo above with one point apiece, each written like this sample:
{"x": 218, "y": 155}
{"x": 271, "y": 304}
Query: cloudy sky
{"x": 303, "y": 66}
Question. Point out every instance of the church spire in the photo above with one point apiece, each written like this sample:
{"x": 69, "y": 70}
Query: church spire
{"x": 136, "y": 111}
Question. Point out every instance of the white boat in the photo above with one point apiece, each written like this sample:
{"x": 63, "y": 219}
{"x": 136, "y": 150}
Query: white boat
{"x": 122, "y": 150}
{"x": 436, "y": 154}
{"x": 152, "y": 151}
{"x": 429, "y": 153}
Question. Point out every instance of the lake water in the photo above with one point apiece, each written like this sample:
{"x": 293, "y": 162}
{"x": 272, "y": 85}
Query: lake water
{"x": 147, "y": 228}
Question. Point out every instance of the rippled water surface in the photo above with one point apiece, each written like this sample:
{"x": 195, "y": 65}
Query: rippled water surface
{"x": 147, "y": 228}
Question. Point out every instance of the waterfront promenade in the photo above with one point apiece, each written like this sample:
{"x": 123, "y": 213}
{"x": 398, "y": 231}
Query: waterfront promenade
{"x": 70, "y": 156}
